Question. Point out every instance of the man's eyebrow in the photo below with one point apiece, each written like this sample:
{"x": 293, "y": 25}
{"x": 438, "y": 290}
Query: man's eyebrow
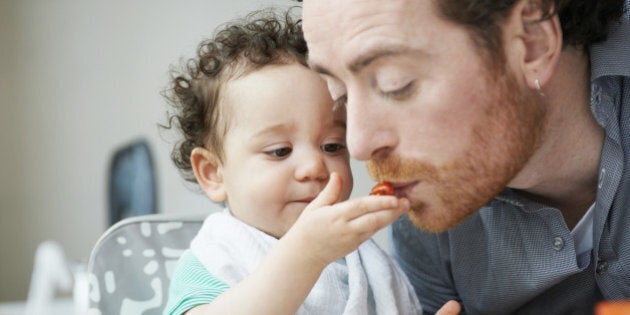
{"x": 366, "y": 58}
{"x": 363, "y": 60}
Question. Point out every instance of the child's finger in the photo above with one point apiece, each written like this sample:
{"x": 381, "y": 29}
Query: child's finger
{"x": 331, "y": 192}
{"x": 357, "y": 207}
{"x": 371, "y": 222}
{"x": 450, "y": 308}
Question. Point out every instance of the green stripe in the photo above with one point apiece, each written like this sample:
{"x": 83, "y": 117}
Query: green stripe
{"x": 191, "y": 285}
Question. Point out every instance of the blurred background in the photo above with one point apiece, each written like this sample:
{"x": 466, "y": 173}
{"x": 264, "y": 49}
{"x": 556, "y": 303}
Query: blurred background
{"x": 79, "y": 81}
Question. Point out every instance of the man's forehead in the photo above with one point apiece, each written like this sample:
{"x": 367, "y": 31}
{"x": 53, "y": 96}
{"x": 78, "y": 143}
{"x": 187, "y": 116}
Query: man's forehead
{"x": 316, "y": 14}
{"x": 351, "y": 27}
{"x": 335, "y": 14}
{"x": 317, "y": 28}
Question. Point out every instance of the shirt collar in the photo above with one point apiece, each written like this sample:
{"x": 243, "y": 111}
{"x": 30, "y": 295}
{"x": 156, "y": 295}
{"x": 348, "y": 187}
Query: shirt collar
{"x": 612, "y": 56}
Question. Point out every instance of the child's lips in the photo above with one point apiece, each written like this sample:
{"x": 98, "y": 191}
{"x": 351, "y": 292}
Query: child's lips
{"x": 307, "y": 199}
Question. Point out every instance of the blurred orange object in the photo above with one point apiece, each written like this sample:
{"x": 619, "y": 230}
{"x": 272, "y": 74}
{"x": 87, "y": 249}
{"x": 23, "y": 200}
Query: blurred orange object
{"x": 613, "y": 308}
{"x": 383, "y": 189}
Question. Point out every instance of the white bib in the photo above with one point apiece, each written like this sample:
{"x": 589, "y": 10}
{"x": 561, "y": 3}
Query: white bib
{"x": 367, "y": 281}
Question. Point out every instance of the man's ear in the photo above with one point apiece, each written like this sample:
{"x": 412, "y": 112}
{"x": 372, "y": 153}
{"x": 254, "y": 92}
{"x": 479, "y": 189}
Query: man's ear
{"x": 207, "y": 170}
{"x": 535, "y": 38}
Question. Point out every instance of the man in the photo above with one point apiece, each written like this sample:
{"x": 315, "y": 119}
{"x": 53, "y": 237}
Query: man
{"x": 505, "y": 123}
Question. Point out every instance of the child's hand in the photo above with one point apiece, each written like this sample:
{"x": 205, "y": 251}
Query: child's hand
{"x": 327, "y": 230}
{"x": 450, "y": 308}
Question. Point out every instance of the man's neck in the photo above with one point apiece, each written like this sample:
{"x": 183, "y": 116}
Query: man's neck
{"x": 564, "y": 170}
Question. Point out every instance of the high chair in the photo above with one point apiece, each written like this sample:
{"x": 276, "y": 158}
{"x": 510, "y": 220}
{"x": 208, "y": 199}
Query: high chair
{"x": 130, "y": 266}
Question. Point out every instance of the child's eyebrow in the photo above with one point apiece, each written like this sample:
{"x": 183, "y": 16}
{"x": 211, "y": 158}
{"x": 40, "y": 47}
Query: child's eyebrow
{"x": 273, "y": 129}
{"x": 340, "y": 123}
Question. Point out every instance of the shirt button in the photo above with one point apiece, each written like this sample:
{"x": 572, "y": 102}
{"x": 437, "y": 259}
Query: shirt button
{"x": 558, "y": 243}
{"x": 602, "y": 266}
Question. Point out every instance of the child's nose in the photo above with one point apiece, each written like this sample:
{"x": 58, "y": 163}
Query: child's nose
{"x": 312, "y": 167}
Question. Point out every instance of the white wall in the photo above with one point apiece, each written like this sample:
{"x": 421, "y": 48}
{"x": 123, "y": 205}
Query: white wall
{"x": 78, "y": 79}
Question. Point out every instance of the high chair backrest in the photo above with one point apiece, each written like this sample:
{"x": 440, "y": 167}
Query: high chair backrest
{"x": 131, "y": 265}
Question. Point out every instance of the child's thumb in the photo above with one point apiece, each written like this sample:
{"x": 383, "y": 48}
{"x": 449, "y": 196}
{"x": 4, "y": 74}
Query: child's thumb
{"x": 331, "y": 192}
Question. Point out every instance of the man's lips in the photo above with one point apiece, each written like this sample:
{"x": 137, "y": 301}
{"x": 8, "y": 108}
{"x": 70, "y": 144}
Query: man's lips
{"x": 403, "y": 189}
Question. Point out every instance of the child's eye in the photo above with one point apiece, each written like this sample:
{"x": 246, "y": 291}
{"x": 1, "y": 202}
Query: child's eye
{"x": 281, "y": 152}
{"x": 333, "y": 147}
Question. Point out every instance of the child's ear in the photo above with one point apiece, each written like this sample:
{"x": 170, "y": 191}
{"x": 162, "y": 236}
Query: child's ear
{"x": 207, "y": 170}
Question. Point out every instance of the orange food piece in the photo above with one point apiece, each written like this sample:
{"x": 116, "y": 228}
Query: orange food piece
{"x": 383, "y": 189}
{"x": 613, "y": 308}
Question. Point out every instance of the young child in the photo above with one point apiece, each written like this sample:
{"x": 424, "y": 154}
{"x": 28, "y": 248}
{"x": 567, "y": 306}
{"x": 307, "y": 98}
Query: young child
{"x": 260, "y": 134}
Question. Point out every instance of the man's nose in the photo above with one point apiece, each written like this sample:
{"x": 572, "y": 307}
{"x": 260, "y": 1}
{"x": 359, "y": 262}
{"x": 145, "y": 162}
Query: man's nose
{"x": 369, "y": 129}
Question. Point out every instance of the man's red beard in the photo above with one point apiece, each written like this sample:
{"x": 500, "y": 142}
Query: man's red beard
{"x": 502, "y": 143}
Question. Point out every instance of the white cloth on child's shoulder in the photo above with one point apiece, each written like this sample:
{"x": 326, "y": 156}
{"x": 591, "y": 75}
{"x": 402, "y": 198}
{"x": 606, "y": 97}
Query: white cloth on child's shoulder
{"x": 367, "y": 281}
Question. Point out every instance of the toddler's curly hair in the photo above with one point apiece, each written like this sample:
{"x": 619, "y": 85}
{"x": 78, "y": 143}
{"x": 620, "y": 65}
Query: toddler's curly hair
{"x": 261, "y": 38}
